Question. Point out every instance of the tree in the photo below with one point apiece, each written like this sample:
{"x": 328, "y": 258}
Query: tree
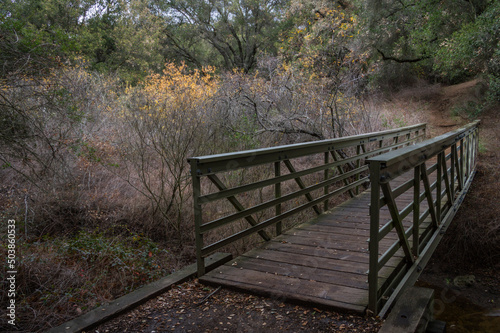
{"x": 324, "y": 42}
{"x": 124, "y": 36}
{"x": 408, "y": 32}
{"x": 235, "y": 31}
{"x": 472, "y": 49}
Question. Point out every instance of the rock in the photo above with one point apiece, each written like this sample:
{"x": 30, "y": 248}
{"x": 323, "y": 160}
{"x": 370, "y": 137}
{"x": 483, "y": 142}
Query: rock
{"x": 493, "y": 313}
{"x": 463, "y": 281}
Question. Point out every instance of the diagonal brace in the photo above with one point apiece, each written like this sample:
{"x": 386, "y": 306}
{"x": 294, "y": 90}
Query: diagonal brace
{"x": 236, "y": 204}
{"x": 396, "y": 219}
{"x": 447, "y": 182}
{"x": 301, "y": 185}
{"x": 428, "y": 194}
{"x": 341, "y": 171}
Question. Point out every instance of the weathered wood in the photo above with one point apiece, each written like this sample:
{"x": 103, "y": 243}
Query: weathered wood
{"x": 367, "y": 249}
{"x": 301, "y": 184}
{"x": 290, "y": 288}
{"x": 286, "y": 202}
{"x": 411, "y": 313}
{"x": 237, "y": 205}
{"x": 295, "y": 270}
{"x": 333, "y": 254}
{"x": 427, "y": 227}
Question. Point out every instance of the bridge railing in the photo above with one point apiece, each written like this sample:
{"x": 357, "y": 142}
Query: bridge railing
{"x": 441, "y": 170}
{"x": 286, "y": 181}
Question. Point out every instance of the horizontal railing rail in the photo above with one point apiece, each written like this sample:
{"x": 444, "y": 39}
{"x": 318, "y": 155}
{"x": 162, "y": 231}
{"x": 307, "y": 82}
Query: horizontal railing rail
{"x": 440, "y": 172}
{"x": 291, "y": 179}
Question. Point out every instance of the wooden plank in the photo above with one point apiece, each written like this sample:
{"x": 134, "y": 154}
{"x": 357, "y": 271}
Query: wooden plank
{"x": 339, "y": 243}
{"x": 301, "y": 290}
{"x": 340, "y": 224}
{"x": 318, "y": 243}
{"x": 302, "y": 272}
{"x": 304, "y": 260}
{"x": 312, "y": 230}
{"x": 318, "y": 251}
{"x": 332, "y": 237}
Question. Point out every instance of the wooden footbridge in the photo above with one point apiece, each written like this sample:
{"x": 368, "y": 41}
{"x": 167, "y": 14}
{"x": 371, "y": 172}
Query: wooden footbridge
{"x": 382, "y": 201}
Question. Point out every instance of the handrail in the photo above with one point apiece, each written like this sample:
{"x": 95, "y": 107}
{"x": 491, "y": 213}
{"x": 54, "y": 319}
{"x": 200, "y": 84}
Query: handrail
{"x": 230, "y": 161}
{"x": 341, "y": 161}
{"x": 453, "y": 159}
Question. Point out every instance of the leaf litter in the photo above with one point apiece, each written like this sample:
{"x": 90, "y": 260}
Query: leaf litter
{"x": 194, "y": 307}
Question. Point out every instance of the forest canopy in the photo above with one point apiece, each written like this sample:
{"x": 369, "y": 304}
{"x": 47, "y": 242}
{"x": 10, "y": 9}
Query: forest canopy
{"x": 138, "y": 36}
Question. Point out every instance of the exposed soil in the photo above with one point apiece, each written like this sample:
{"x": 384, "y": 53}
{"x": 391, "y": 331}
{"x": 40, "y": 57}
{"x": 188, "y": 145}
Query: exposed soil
{"x": 192, "y": 307}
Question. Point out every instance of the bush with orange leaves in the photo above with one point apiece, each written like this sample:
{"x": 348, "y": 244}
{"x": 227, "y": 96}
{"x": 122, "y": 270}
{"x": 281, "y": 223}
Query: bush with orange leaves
{"x": 166, "y": 121}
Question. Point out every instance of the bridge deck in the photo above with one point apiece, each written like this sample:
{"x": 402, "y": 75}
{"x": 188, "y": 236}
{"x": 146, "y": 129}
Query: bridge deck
{"x": 323, "y": 262}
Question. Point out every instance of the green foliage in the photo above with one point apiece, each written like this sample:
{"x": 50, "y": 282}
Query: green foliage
{"x": 470, "y": 110}
{"x": 86, "y": 151}
{"x": 322, "y": 40}
{"x": 125, "y": 37}
{"x": 493, "y": 93}
{"x": 482, "y": 147}
{"x": 452, "y": 41}
{"x": 121, "y": 36}
{"x": 83, "y": 271}
{"x": 136, "y": 254}
{"x": 393, "y": 123}
{"x": 471, "y": 49}
{"x": 230, "y": 34}
{"x": 28, "y": 50}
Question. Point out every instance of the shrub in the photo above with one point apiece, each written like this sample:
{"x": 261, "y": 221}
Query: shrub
{"x": 164, "y": 122}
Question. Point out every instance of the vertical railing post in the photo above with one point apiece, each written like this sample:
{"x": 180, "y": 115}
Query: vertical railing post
{"x": 473, "y": 149}
{"x": 439, "y": 185}
{"x": 452, "y": 166}
{"x": 200, "y": 262}
{"x": 373, "y": 245}
{"x": 416, "y": 211}
{"x": 358, "y": 165}
{"x": 396, "y": 141}
{"x": 326, "y": 175}
{"x": 476, "y": 144}
{"x": 461, "y": 163}
{"x": 277, "y": 194}
{"x": 467, "y": 156}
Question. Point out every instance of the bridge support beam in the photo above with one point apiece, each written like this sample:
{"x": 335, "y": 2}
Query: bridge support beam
{"x": 412, "y": 313}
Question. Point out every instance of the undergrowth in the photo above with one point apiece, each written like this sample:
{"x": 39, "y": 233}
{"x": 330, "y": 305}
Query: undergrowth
{"x": 473, "y": 239}
{"x": 63, "y": 277}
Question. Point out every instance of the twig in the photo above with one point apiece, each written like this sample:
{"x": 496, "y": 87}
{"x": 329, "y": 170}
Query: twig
{"x": 209, "y": 295}
{"x": 26, "y": 215}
